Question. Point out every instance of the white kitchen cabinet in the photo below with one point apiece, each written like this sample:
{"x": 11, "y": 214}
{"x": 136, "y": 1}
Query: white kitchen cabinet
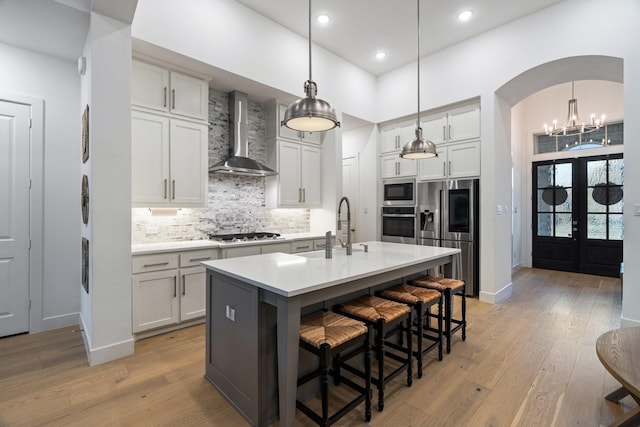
{"x": 302, "y": 246}
{"x": 238, "y": 251}
{"x": 163, "y": 295}
{"x": 392, "y": 166}
{"x": 298, "y": 183}
{"x": 169, "y": 91}
{"x": 284, "y": 247}
{"x": 394, "y": 137}
{"x": 169, "y": 161}
{"x": 454, "y": 161}
{"x": 275, "y": 114}
{"x": 454, "y": 125}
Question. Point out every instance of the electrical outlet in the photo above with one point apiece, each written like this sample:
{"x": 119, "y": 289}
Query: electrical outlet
{"x": 151, "y": 229}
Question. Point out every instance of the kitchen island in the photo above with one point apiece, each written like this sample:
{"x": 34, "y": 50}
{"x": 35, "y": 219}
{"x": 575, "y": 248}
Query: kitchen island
{"x": 254, "y": 306}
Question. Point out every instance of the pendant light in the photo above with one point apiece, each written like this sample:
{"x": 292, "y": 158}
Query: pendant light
{"x": 310, "y": 114}
{"x": 419, "y": 148}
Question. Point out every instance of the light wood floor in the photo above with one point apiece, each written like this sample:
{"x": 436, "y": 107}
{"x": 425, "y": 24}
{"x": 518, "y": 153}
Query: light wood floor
{"x": 529, "y": 361}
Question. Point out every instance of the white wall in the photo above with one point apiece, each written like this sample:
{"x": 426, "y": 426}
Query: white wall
{"x": 227, "y": 35}
{"x": 484, "y": 64}
{"x": 106, "y": 311}
{"x": 361, "y": 143}
{"x": 56, "y": 82}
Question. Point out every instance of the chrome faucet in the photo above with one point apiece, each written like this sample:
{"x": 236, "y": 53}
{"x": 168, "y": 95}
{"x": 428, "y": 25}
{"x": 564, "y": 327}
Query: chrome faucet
{"x": 344, "y": 199}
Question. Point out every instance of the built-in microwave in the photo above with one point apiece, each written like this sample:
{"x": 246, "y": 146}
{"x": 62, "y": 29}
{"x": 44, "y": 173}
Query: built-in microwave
{"x": 399, "y": 192}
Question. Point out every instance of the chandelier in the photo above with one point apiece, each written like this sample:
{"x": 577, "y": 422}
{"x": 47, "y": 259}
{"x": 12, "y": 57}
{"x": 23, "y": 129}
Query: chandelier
{"x": 574, "y": 124}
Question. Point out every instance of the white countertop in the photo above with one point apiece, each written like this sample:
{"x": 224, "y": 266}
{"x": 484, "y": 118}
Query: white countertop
{"x": 295, "y": 274}
{"x": 148, "y": 248}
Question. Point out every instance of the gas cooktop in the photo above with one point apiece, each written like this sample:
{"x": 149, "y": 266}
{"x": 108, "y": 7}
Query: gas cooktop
{"x": 244, "y": 237}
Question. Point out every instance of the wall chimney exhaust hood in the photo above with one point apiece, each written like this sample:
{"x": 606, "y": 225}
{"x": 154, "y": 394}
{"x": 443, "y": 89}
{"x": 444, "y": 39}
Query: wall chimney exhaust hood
{"x": 238, "y": 162}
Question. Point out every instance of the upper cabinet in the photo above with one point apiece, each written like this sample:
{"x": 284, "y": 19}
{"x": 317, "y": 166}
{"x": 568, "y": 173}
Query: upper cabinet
{"x": 275, "y": 114}
{"x": 395, "y": 136}
{"x": 159, "y": 89}
{"x": 298, "y": 183}
{"x": 454, "y": 125}
{"x": 461, "y": 160}
{"x": 394, "y": 166}
{"x": 168, "y": 161}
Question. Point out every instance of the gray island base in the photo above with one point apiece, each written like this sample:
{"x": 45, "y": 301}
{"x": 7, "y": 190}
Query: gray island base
{"x": 254, "y": 305}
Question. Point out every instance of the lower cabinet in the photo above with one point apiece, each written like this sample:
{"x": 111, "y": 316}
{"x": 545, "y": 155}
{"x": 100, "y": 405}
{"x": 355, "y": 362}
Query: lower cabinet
{"x": 168, "y": 289}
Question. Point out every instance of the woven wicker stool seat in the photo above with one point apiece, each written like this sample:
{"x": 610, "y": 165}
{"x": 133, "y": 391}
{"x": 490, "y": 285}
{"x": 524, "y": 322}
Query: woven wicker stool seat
{"x": 326, "y": 334}
{"x": 420, "y": 299}
{"x": 387, "y": 318}
{"x": 449, "y": 288}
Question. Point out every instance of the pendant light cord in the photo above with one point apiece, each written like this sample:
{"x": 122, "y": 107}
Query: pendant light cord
{"x": 310, "y": 79}
{"x": 418, "y": 7}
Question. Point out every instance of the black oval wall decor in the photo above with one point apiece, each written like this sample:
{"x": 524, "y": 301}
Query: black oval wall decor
{"x": 560, "y": 195}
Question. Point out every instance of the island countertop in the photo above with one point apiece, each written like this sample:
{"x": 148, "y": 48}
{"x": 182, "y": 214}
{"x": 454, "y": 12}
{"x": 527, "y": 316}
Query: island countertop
{"x": 290, "y": 275}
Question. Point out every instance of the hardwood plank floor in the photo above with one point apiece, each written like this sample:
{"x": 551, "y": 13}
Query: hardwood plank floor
{"x": 530, "y": 361}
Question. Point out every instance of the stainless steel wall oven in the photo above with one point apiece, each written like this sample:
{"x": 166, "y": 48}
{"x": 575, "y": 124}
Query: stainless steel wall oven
{"x": 399, "y": 224}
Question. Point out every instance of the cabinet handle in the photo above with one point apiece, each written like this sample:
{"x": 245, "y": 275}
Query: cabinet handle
{"x": 165, "y": 188}
{"x": 173, "y": 189}
{"x": 321, "y": 245}
{"x": 173, "y": 99}
{"x": 174, "y": 287}
{"x": 449, "y": 167}
{"x": 299, "y": 195}
{"x": 184, "y": 285}
{"x": 304, "y": 195}
{"x": 444, "y": 133}
{"x": 165, "y": 97}
{"x": 449, "y": 131}
{"x": 444, "y": 168}
{"x": 303, "y": 247}
{"x": 156, "y": 264}
{"x": 204, "y": 258}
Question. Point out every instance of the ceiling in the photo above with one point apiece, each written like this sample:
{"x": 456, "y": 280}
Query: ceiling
{"x": 359, "y": 28}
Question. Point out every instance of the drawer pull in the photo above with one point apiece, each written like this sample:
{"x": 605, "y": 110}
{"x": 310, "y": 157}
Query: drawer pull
{"x": 303, "y": 247}
{"x": 156, "y": 264}
{"x": 204, "y": 258}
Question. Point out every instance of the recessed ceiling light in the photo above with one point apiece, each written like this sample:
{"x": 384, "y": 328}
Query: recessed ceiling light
{"x": 323, "y": 19}
{"x": 381, "y": 54}
{"x": 465, "y": 15}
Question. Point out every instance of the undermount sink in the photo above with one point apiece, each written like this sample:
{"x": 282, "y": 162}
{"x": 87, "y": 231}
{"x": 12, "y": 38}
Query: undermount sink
{"x": 337, "y": 251}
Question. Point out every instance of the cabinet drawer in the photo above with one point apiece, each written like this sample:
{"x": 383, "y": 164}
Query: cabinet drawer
{"x": 194, "y": 258}
{"x": 320, "y": 244}
{"x": 302, "y": 246}
{"x": 276, "y": 247}
{"x": 154, "y": 262}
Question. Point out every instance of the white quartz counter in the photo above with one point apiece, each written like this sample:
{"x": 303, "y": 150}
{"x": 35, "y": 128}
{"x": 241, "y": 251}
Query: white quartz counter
{"x": 295, "y": 274}
{"x": 148, "y": 248}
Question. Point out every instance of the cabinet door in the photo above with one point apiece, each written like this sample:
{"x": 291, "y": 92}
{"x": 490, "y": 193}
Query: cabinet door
{"x": 155, "y": 299}
{"x": 290, "y": 190}
{"x": 464, "y": 160}
{"x": 193, "y": 293}
{"x": 389, "y": 140}
{"x": 433, "y": 168}
{"x": 310, "y": 179}
{"x": 406, "y": 133}
{"x": 311, "y": 137}
{"x": 149, "y": 159}
{"x": 189, "y": 96}
{"x": 464, "y": 123}
{"x": 149, "y": 86}
{"x": 188, "y": 163}
{"x": 389, "y": 165}
{"x": 434, "y": 127}
{"x": 407, "y": 167}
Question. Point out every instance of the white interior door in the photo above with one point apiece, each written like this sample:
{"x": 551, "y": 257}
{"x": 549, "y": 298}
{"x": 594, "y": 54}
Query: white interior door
{"x": 14, "y": 218}
{"x": 350, "y": 190}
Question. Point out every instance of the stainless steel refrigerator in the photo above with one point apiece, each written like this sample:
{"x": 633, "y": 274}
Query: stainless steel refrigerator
{"x": 449, "y": 217}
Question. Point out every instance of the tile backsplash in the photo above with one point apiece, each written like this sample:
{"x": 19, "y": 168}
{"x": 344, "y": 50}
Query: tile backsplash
{"x": 235, "y": 203}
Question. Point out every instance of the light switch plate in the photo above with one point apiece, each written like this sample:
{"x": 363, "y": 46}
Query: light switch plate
{"x": 231, "y": 313}
{"x": 499, "y": 210}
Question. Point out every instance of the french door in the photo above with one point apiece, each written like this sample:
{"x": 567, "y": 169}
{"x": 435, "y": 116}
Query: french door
{"x": 577, "y": 214}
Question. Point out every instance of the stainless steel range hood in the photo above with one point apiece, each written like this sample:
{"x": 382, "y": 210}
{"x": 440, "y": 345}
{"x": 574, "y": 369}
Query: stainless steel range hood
{"x": 238, "y": 162}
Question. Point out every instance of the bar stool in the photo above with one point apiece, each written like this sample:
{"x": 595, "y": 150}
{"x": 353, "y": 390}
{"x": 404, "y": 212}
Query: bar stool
{"x": 421, "y": 300}
{"x": 386, "y": 317}
{"x": 449, "y": 288}
{"x": 326, "y": 334}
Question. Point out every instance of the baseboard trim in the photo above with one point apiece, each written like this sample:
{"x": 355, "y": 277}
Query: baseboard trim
{"x": 497, "y": 297}
{"x": 57, "y": 322}
{"x": 628, "y": 323}
{"x": 96, "y": 356}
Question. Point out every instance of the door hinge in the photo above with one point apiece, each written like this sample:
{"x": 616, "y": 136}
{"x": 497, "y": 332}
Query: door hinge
{"x": 29, "y": 304}
{"x": 29, "y": 183}
{"x": 29, "y": 244}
